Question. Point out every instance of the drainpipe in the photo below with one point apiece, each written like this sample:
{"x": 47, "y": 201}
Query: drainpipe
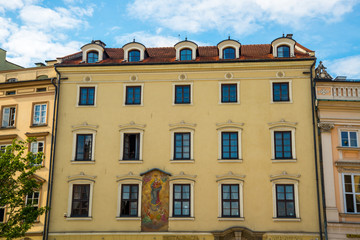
{"x": 315, "y": 148}
{"x": 52, "y": 154}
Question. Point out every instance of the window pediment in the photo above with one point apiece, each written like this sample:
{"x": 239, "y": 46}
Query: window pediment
{"x": 283, "y": 41}
{"x": 229, "y": 43}
{"x": 85, "y": 126}
{"x": 81, "y": 176}
{"x": 186, "y": 45}
{"x": 133, "y": 46}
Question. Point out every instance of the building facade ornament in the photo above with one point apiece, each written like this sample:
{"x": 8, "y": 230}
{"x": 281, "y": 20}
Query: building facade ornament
{"x": 325, "y": 126}
{"x": 321, "y": 73}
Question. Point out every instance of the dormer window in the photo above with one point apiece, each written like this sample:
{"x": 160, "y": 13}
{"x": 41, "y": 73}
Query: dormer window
{"x": 185, "y": 54}
{"x": 283, "y": 51}
{"x": 229, "y": 53}
{"x": 92, "y": 57}
{"x": 134, "y": 56}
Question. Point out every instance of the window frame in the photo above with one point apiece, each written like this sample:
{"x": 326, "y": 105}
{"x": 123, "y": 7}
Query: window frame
{"x": 181, "y": 55}
{"x": 141, "y": 85}
{"x": 224, "y": 54}
{"x": 33, "y": 123}
{"x": 283, "y": 46}
{"x": 79, "y": 95}
{"x": 128, "y": 181}
{"x": 237, "y": 83}
{"x": 282, "y": 144}
{"x": 74, "y": 152}
{"x": 38, "y": 140}
{"x": 272, "y": 91}
{"x": 14, "y": 116}
{"x": 353, "y": 193}
{"x": 130, "y": 200}
{"x": 295, "y": 184}
{"x": 182, "y": 130}
{"x": 293, "y": 143}
{"x": 70, "y": 199}
{"x": 133, "y": 51}
{"x": 229, "y": 129}
{"x": 175, "y": 85}
{"x": 231, "y": 181}
{"x": 182, "y": 145}
{"x": 92, "y": 52}
{"x": 186, "y": 181}
{"x": 348, "y": 137}
{"x": 122, "y": 142}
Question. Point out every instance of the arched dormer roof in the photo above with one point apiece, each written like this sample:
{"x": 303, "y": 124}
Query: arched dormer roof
{"x": 95, "y": 46}
{"x": 283, "y": 41}
{"x": 134, "y": 46}
{"x": 186, "y": 45}
{"x": 229, "y": 43}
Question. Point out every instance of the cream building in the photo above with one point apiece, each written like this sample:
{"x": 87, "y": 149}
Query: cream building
{"x": 338, "y": 108}
{"x": 27, "y": 102}
{"x": 185, "y": 142}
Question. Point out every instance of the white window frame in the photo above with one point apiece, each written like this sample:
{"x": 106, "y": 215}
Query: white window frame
{"x": 78, "y": 95}
{"x": 353, "y": 193}
{"x": 171, "y": 198}
{"x": 182, "y": 130}
{"x": 241, "y": 199}
{"x": 229, "y": 129}
{"x": 141, "y": 85}
{"x": 126, "y": 182}
{"x": 237, "y": 92}
{"x": 39, "y": 123}
{"x": 71, "y": 184}
{"x": 26, "y": 200}
{"x": 87, "y": 131}
{"x": 8, "y": 118}
{"x": 4, "y": 145}
{"x": 296, "y": 199}
{"x": 37, "y": 146}
{"x": 134, "y": 131}
{"x": 290, "y": 91}
{"x": 349, "y": 130}
{"x": 174, "y": 93}
{"x": 293, "y": 150}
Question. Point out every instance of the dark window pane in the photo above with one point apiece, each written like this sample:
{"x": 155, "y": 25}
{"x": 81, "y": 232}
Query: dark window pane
{"x": 182, "y": 145}
{"x": 134, "y": 56}
{"x": 87, "y": 96}
{"x": 228, "y": 93}
{"x": 230, "y": 200}
{"x": 281, "y": 92}
{"x": 185, "y": 54}
{"x": 129, "y": 200}
{"x": 229, "y": 53}
{"x": 283, "y": 51}
{"x": 282, "y": 142}
{"x": 80, "y": 201}
{"x": 133, "y": 95}
{"x": 83, "y": 147}
{"x": 92, "y": 57}
{"x": 182, "y": 94}
{"x": 285, "y": 201}
{"x": 229, "y": 145}
{"x": 181, "y": 202}
{"x": 131, "y": 146}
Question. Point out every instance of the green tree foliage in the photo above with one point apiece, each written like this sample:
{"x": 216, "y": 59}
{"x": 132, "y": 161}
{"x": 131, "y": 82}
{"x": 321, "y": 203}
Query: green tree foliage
{"x": 17, "y": 171}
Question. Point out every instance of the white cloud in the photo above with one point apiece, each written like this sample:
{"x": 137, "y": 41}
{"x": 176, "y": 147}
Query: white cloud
{"x": 348, "y": 66}
{"x": 242, "y": 17}
{"x": 6, "y": 27}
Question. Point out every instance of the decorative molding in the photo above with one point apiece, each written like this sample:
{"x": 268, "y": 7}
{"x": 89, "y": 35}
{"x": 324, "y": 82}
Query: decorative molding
{"x": 183, "y": 176}
{"x": 229, "y": 75}
{"x": 133, "y": 78}
{"x": 37, "y": 134}
{"x": 348, "y": 170}
{"x": 182, "y": 124}
{"x": 323, "y": 91}
{"x": 8, "y": 136}
{"x": 81, "y": 176}
{"x": 132, "y": 125}
{"x": 129, "y": 176}
{"x": 228, "y": 124}
{"x": 284, "y": 174}
{"x": 325, "y": 126}
{"x": 87, "y": 78}
{"x": 84, "y": 126}
{"x": 282, "y": 123}
{"x": 354, "y": 163}
{"x": 280, "y": 74}
{"x": 230, "y": 176}
{"x": 321, "y": 73}
{"x": 182, "y": 76}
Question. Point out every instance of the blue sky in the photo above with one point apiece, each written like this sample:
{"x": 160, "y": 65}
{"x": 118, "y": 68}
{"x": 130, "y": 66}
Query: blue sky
{"x": 38, "y": 30}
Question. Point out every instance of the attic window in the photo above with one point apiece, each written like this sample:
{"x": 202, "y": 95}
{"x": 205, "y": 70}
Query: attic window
{"x": 12, "y": 80}
{"x": 92, "y": 57}
{"x": 42, "y": 77}
{"x": 229, "y": 53}
{"x": 134, "y": 56}
{"x": 185, "y": 54}
{"x": 283, "y": 51}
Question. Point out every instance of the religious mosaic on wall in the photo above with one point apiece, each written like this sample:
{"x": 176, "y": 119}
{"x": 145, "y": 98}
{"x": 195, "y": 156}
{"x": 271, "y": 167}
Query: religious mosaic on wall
{"x": 155, "y": 201}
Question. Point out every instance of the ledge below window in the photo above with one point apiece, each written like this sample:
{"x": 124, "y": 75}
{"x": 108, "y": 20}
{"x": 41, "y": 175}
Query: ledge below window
{"x": 231, "y": 219}
{"x": 348, "y": 148}
{"x": 352, "y": 215}
{"x": 283, "y": 160}
{"x": 181, "y": 218}
{"x": 182, "y": 161}
{"x": 82, "y": 162}
{"x": 128, "y": 218}
{"x": 230, "y": 160}
{"x": 286, "y": 219}
{"x": 39, "y": 125}
{"x": 4, "y": 128}
{"x": 79, "y": 218}
{"x": 131, "y": 161}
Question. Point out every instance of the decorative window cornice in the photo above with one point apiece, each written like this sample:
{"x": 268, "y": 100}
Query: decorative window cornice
{"x": 81, "y": 176}
{"x": 37, "y": 134}
{"x": 182, "y": 124}
{"x": 132, "y": 125}
{"x": 230, "y": 176}
{"x": 229, "y": 124}
{"x": 129, "y": 176}
{"x": 85, "y": 126}
{"x": 282, "y": 123}
{"x": 8, "y": 136}
{"x": 183, "y": 176}
{"x": 284, "y": 175}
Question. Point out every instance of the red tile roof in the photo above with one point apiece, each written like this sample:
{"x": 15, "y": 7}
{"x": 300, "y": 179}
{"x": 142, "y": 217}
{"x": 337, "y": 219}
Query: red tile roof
{"x": 168, "y": 55}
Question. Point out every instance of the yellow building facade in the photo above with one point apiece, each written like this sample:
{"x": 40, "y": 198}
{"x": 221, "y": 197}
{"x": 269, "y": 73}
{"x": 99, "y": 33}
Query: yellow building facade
{"x": 339, "y": 121}
{"x": 186, "y": 142}
{"x": 27, "y": 102}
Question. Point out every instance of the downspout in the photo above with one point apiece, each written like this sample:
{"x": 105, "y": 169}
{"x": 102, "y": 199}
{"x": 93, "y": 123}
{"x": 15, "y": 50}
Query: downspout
{"x": 315, "y": 148}
{"x": 52, "y": 154}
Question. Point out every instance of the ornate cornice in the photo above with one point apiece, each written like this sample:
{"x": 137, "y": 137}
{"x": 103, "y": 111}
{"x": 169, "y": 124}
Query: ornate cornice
{"x": 81, "y": 176}
{"x": 282, "y": 123}
{"x": 129, "y": 176}
{"x": 230, "y": 176}
{"x": 325, "y": 126}
{"x": 183, "y": 176}
{"x": 182, "y": 124}
{"x": 85, "y": 126}
{"x": 132, "y": 125}
{"x": 284, "y": 174}
{"x": 229, "y": 124}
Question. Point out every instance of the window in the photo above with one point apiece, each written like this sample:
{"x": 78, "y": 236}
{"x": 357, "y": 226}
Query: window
{"x": 10, "y": 92}
{"x": 185, "y": 54}
{"x": 282, "y": 144}
{"x": 229, "y": 145}
{"x": 80, "y": 200}
{"x": 87, "y": 96}
{"x": 182, "y": 94}
{"x": 3, "y": 147}
{"x": 349, "y": 139}
{"x": 36, "y": 147}
{"x": 285, "y": 201}
{"x": 229, "y": 53}
{"x": 92, "y": 57}
{"x": 129, "y": 200}
{"x": 228, "y": 93}
{"x": 134, "y": 56}
{"x": 131, "y": 146}
{"x": 230, "y": 204}
{"x": 182, "y": 146}
{"x": 8, "y": 117}
{"x": 39, "y": 116}
{"x": 32, "y": 199}
{"x": 2, "y": 214}
{"x": 352, "y": 193}
{"x": 41, "y": 89}
{"x": 181, "y": 200}
{"x": 84, "y": 147}
{"x": 133, "y": 95}
{"x": 283, "y": 51}
{"x": 10, "y": 80}
{"x": 281, "y": 92}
